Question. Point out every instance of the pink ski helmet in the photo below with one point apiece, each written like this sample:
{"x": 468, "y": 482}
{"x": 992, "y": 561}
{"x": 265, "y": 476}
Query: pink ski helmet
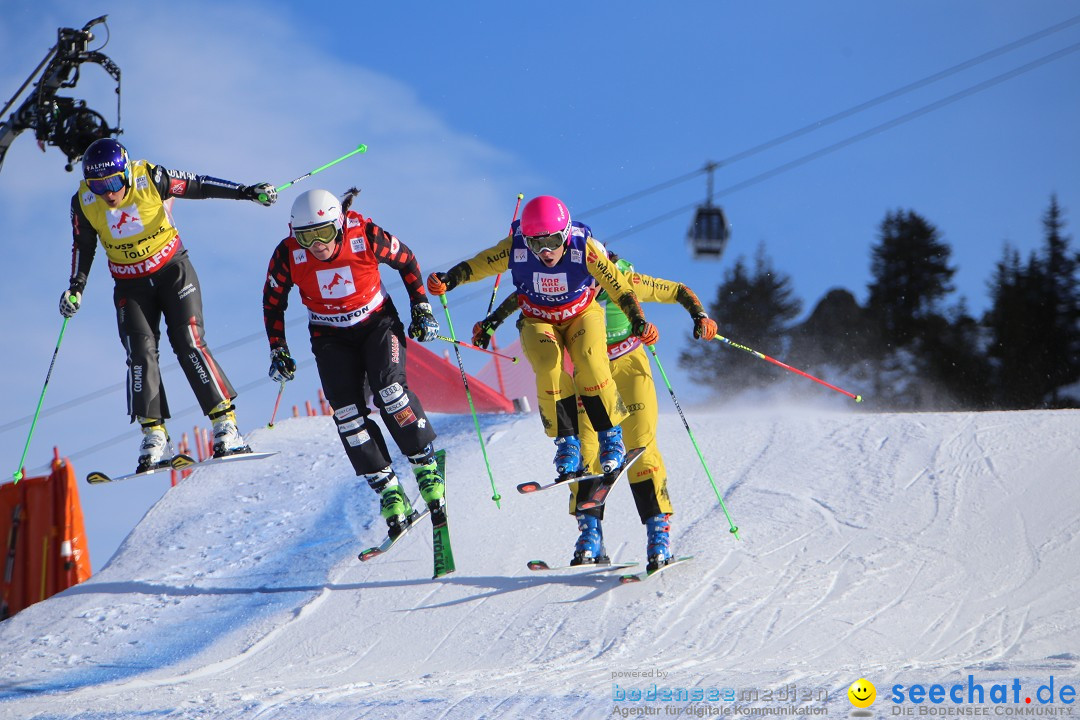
{"x": 545, "y": 223}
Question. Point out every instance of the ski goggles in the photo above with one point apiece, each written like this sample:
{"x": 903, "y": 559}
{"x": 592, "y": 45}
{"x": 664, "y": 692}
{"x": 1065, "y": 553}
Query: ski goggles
{"x": 107, "y": 184}
{"x": 552, "y": 241}
{"x": 326, "y": 234}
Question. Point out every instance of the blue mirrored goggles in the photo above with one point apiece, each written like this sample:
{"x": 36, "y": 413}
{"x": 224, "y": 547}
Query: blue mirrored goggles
{"x": 107, "y": 184}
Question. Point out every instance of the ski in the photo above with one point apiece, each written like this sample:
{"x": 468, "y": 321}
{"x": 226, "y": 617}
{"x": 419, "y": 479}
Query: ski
{"x": 442, "y": 552}
{"x": 527, "y": 488}
{"x": 96, "y": 478}
{"x": 440, "y": 531}
{"x": 179, "y": 462}
{"x": 186, "y": 462}
{"x": 533, "y": 486}
{"x": 444, "y": 556}
{"x": 600, "y": 490}
{"x": 541, "y": 566}
{"x": 389, "y": 542}
{"x": 642, "y": 577}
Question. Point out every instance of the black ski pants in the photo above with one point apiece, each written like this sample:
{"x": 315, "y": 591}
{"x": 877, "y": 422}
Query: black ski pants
{"x": 373, "y": 351}
{"x": 173, "y": 293}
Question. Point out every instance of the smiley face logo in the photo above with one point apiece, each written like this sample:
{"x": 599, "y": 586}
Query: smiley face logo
{"x": 862, "y": 693}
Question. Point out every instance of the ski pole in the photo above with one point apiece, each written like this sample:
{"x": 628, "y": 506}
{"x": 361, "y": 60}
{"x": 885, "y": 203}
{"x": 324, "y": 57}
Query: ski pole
{"x": 360, "y": 149}
{"x": 33, "y": 423}
{"x": 511, "y": 358}
{"x": 495, "y": 290}
{"x": 277, "y": 402}
{"x": 734, "y": 530}
{"x": 496, "y": 497}
{"x": 755, "y": 353}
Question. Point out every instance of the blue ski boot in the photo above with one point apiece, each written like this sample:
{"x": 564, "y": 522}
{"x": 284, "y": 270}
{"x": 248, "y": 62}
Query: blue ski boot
{"x": 658, "y": 550}
{"x": 612, "y": 452}
{"x": 589, "y": 548}
{"x": 568, "y": 455}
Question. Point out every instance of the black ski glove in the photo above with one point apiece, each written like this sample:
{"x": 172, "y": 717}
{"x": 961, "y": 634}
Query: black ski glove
{"x": 482, "y": 332}
{"x": 263, "y": 193}
{"x": 282, "y": 366}
{"x": 423, "y": 327}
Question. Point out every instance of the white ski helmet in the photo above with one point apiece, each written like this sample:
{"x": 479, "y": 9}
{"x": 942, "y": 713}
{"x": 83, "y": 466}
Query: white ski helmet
{"x": 314, "y": 214}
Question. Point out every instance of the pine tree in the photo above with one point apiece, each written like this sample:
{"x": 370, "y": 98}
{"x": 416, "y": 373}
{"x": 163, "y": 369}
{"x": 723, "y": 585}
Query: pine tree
{"x": 1034, "y": 320}
{"x": 754, "y": 309}
{"x": 1012, "y": 337}
{"x": 1062, "y": 303}
{"x": 911, "y": 275}
{"x": 955, "y": 369}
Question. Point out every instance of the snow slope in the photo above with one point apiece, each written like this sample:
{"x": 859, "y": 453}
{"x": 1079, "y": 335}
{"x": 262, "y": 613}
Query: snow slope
{"x": 909, "y": 548}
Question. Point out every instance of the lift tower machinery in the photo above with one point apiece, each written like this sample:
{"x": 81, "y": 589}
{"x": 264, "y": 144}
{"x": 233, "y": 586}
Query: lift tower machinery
{"x": 63, "y": 122}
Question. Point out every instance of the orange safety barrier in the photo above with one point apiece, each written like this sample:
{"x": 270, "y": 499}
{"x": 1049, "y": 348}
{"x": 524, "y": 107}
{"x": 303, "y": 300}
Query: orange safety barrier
{"x": 44, "y": 547}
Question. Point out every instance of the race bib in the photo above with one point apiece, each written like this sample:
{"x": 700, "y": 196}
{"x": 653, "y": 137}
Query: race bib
{"x": 547, "y": 284}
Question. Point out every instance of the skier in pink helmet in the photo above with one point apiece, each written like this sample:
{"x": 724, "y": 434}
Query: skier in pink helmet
{"x": 558, "y": 269}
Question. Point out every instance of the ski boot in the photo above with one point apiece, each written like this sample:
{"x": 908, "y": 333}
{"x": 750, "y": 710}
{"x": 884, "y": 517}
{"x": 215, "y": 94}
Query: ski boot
{"x": 568, "y": 456}
{"x": 612, "y": 451}
{"x": 227, "y": 439}
{"x": 395, "y": 509}
{"x": 432, "y": 487}
{"x": 156, "y": 450}
{"x": 589, "y": 549}
{"x": 658, "y": 549}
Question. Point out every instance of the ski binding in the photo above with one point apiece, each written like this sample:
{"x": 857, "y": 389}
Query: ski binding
{"x": 389, "y": 542}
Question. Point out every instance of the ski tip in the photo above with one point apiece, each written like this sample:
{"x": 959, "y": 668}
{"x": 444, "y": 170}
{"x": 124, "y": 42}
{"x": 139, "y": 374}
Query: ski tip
{"x": 538, "y": 565}
{"x": 526, "y": 488}
{"x": 183, "y": 460}
{"x": 96, "y": 478}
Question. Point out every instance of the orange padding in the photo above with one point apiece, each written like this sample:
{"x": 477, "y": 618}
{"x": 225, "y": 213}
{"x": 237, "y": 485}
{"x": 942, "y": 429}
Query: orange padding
{"x": 43, "y": 547}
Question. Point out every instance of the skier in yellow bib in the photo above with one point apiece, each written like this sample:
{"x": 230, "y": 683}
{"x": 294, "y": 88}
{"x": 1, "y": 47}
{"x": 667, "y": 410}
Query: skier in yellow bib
{"x": 632, "y": 372}
{"x": 124, "y": 204}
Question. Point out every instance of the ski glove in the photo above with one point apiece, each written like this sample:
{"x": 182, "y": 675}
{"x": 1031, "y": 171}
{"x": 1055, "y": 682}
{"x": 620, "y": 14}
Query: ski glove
{"x": 482, "y": 332}
{"x": 439, "y": 283}
{"x": 423, "y": 326}
{"x": 282, "y": 366}
{"x": 263, "y": 193}
{"x": 70, "y": 302}
{"x": 704, "y": 327}
{"x": 646, "y": 331}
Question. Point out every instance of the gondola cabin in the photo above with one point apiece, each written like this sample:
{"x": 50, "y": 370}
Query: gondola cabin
{"x": 708, "y": 234}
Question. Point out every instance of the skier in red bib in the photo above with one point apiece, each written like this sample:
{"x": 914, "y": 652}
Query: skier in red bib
{"x": 332, "y": 256}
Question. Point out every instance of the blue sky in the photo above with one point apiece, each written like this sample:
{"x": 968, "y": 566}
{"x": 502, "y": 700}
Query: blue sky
{"x": 463, "y": 106}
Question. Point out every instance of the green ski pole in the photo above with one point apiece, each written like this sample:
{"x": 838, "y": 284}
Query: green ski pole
{"x": 734, "y": 530}
{"x": 360, "y": 149}
{"x": 33, "y": 423}
{"x": 496, "y": 497}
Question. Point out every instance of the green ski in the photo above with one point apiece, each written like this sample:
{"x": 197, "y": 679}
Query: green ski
{"x": 440, "y": 530}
